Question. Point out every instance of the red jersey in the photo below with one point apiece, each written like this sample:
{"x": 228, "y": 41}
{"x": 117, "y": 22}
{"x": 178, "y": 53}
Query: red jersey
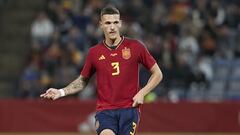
{"x": 117, "y": 72}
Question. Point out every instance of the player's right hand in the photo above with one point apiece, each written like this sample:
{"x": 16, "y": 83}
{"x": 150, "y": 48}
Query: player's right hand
{"x": 51, "y": 93}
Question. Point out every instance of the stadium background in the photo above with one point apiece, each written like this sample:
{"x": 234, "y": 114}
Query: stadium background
{"x": 195, "y": 42}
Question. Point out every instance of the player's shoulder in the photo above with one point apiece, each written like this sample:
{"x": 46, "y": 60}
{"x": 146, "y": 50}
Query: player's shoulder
{"x": 131, "y": 40}
{"x": 134, "y": 42}
{"x": 96, "y": 47}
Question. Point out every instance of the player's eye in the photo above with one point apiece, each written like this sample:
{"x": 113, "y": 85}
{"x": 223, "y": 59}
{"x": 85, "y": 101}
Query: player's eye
{"x": 116, "y": 22}
{"x": 107, "y": 23}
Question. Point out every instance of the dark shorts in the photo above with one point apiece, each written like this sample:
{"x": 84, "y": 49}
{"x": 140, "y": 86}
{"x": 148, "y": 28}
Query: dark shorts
{"x": 120, "y": 121}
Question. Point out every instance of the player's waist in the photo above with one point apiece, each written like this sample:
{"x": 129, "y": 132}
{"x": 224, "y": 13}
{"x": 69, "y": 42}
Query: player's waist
{"x": 108, "y": 106}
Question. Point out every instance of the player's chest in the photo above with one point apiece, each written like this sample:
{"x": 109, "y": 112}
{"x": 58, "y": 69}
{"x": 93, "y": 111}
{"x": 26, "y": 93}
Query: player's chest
{"x": 123, "y": 57}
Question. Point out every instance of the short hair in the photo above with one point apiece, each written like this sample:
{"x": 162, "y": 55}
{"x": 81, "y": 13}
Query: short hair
{"x": 109, "y": 9}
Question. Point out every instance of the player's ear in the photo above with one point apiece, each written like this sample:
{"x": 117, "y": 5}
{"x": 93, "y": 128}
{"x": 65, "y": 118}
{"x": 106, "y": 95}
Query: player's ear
{"x": 120, "y": 23}
{"x": 100, "y": 23}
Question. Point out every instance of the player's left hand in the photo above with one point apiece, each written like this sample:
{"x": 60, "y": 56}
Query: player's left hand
{"x": 138, "y": 99}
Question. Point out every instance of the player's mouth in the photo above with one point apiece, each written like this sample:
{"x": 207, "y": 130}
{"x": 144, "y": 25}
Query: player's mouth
{"x": 112, "y": 32}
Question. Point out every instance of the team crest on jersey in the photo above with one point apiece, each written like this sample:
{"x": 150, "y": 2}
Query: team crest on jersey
{"x": 126, "y": 53}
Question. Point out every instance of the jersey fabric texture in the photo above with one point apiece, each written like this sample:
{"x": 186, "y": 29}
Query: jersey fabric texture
{"x": 117, "y": 72}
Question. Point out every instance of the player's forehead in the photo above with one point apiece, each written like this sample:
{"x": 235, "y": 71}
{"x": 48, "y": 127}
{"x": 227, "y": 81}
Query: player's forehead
{"x": 110, "y": 17}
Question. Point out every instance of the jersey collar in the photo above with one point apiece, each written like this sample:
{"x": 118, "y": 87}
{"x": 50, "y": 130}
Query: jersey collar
{"x": 104, "y": 43}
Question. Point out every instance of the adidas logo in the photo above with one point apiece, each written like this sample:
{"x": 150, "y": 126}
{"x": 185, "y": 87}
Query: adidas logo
{"x": 101, "y": 57}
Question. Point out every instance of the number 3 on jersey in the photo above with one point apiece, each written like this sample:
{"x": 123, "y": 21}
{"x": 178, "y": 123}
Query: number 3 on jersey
{"x": 116, "y": 68}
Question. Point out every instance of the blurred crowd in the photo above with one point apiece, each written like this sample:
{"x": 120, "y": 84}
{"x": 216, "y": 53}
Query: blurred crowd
{"x": 2, "y": 2}
{"x": 184, "y": 36}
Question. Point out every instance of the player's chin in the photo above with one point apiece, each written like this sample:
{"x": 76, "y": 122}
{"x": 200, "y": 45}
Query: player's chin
{"x": 112, "y": 37}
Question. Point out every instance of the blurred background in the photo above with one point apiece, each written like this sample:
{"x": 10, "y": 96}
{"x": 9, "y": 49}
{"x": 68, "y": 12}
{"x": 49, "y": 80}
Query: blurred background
{"x": 195, "y": 42}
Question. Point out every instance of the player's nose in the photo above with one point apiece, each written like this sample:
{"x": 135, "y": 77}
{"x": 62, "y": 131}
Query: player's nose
{"x": 112, "y": 27}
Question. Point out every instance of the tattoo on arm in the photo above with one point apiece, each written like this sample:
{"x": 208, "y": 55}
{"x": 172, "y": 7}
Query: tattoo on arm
{"x": 76, "y": 86}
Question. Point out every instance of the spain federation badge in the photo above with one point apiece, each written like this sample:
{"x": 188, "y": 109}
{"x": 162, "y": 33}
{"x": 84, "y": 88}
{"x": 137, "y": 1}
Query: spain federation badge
{"x": 126, "y": 53}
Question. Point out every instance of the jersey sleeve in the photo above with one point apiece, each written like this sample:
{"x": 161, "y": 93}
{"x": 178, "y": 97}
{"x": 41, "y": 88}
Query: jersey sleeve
{"x": 145, "y": 58}
{"x": 88, "y": 68}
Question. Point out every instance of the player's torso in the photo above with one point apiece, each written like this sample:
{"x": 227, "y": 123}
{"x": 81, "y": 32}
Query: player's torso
{"x": 115, "y": 62}
{"x": 117, "y": 73}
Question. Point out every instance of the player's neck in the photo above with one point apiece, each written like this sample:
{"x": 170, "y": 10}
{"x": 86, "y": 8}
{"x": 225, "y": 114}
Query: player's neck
{"x": 114, "y": 42}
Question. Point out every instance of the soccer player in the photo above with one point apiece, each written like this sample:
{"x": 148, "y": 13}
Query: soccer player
{"x": 116, "y": 63}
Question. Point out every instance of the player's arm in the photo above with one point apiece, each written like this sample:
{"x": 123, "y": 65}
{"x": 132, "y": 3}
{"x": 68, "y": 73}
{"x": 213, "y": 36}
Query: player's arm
{"x": 156, "y": 77}
{"x": 77, "y": 85}
{"x": 74, "y": 87}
